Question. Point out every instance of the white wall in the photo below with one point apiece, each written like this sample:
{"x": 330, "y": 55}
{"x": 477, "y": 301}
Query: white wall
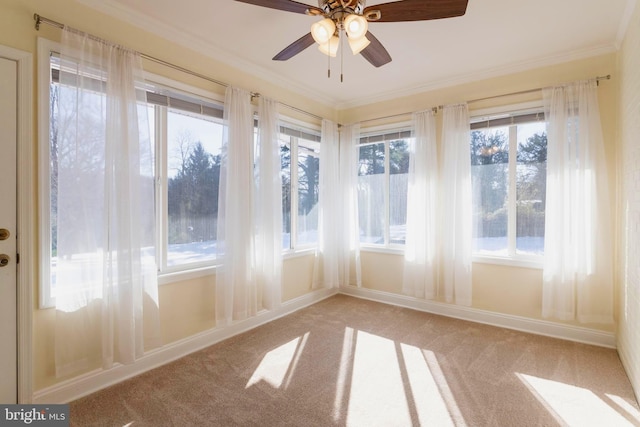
{"x": 187, "y": 307}
{"x": 629, "y": 205}
{"x": 504, "y": 289}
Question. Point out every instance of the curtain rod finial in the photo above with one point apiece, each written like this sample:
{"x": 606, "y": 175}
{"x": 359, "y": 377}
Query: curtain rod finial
{"x": 36, "y": 17}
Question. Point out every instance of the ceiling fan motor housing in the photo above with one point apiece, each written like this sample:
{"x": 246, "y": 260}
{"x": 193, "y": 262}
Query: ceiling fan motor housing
{"x": 339, "y": 9}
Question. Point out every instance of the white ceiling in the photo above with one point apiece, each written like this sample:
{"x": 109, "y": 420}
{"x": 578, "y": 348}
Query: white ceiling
{"x": 494, "y": 37}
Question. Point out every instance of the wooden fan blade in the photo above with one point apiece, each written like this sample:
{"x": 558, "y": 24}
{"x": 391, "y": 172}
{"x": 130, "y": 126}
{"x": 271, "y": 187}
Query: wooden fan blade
{"x": 286, "y": 5}
{"x": 416, "y": 10}
{"x": 375, "y": 53}
{"x": 295, "y": 48}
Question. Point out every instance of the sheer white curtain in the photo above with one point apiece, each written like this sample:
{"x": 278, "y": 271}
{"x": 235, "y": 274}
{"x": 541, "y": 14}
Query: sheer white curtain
{"x": 236, "y": 289}
{"x": 338, "y": 258}
{"x": 327, "y": 265}
{"x": 578, "y": 254}
{"x": 269, "y": 205}
{"x": 106, "y": 277}
{"x": 421, "y": 258}
{"x": 456, "y": 205}
{"x": 348, "y": 189}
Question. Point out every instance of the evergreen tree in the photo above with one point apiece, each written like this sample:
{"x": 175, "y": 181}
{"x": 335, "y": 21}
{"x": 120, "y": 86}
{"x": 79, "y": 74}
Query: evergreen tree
{"x": 193, "y": 196}
{"x": 398, "y": 157}
{"x": 371, "y": 159}
{"x": 532, "y": 174}
{"x": 308, "y": 179}
{"x": 490, "y": 159}
{"x": 285, "y": 167}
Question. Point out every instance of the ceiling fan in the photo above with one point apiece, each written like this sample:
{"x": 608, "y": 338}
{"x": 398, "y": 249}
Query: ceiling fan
{"x": 352, "y": 17}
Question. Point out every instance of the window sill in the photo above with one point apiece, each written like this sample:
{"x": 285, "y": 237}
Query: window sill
{"x": 197, "y": 272}
{"x": 536, "y": 262}
{"x": 524, "y": 262}
{"x": 297, "y": 253}
{"x": 182, "y": 275}
{"x": 383, "y": 249}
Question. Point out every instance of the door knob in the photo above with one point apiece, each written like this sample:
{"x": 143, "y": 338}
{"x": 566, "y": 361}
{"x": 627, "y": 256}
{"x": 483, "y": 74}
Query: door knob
{"x": 4, "y": 234}
{"x": 4, "y": 260}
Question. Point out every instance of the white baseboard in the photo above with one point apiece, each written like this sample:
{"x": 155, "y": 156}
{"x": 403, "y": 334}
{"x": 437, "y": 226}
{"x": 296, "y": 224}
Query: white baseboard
{"x": 524, "y": 324}
{"x": 630, "y": 368}
{"x": 93, "y": 381}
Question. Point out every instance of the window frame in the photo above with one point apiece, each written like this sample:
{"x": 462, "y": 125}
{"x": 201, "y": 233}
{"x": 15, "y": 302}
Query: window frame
{"x": 160, "y": 84}
{"x": 504, "y": 117}
{"x": 45, "y": 50}
{"x": 302, "y": 128}
{"x": 383, "y": 131}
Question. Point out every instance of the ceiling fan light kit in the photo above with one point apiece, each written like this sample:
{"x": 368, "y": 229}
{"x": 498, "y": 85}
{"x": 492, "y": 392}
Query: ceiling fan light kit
{"x": 356, "y": 26}
{"x": 330, "y": 47}
{"x": 323, "y": 30}
{"x": 358, "y": 45}
{"x": 353, "y": 17}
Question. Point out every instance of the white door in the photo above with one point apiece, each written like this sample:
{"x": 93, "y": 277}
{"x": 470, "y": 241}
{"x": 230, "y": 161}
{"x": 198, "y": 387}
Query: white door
{"x": 8, "y": 243}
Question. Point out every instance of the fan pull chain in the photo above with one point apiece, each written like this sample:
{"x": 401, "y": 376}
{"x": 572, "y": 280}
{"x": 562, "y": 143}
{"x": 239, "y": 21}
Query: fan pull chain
{"x": 341, "y": 55}
{"x": 329, "y": 60}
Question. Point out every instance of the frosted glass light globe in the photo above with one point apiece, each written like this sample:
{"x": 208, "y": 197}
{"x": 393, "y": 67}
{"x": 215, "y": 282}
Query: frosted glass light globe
{"x": 323, "y": 30}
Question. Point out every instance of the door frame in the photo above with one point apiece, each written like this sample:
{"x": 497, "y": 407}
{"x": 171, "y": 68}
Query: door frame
{"x": 25, "y": 219}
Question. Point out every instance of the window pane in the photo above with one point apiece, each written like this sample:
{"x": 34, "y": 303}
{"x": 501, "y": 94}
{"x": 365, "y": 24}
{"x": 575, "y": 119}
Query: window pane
{"x": 398, "y": 186}
{"x": 285, "y": 177}
{"x": 308, "y": 190}
{"x": 371, "y": 193}
{"x": 490, "y": 186}
{"x": 193, "y": 160}
{"x": 531, "y": 188}
{"x": 54, "y": 127}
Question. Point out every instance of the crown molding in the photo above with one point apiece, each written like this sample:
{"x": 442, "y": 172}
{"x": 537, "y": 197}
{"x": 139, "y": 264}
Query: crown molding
{"x": 625, "y": 21}
{"x": 215, "y": 52}
{"x": 160, "y": 29}
{"x": 516, "y": 67}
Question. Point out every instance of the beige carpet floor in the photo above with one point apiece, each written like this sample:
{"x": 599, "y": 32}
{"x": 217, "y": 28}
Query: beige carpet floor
{"x": 347, "y": 361}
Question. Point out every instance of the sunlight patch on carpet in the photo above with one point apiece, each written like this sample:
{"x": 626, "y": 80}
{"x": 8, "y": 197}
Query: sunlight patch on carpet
{"x": 346, "y": 358}
{"x": 296, "y": 359}
{"x": 429, "y": 402}
{"x": 626, "y": 406}
{"x": 279, "y": 363}
{"x": 443, "y": 387}
{"x": 377, "y": 395}
{"x": 571, "y": 405}
{"x": 382, "y": 382}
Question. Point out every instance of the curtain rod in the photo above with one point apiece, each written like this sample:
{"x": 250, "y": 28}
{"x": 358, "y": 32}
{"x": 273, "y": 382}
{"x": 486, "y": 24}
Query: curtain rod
{"x": 434, "y": 109}
{"x": 523, "y": 92}
{"x": 440, "y": 107}
{"x": 42, "y": 20}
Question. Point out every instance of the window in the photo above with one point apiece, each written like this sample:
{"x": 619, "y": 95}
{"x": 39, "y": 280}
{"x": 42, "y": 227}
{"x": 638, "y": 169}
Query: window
{"x": 187, "y": 131}
{"x": 56, "y": 111}
{"x": 186, "y": 126}
{"x": 188, "y": 141}
{"x": 300, "y": 187}
{"x": 509, "y": 190}
{"x": 383, "y": 170}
